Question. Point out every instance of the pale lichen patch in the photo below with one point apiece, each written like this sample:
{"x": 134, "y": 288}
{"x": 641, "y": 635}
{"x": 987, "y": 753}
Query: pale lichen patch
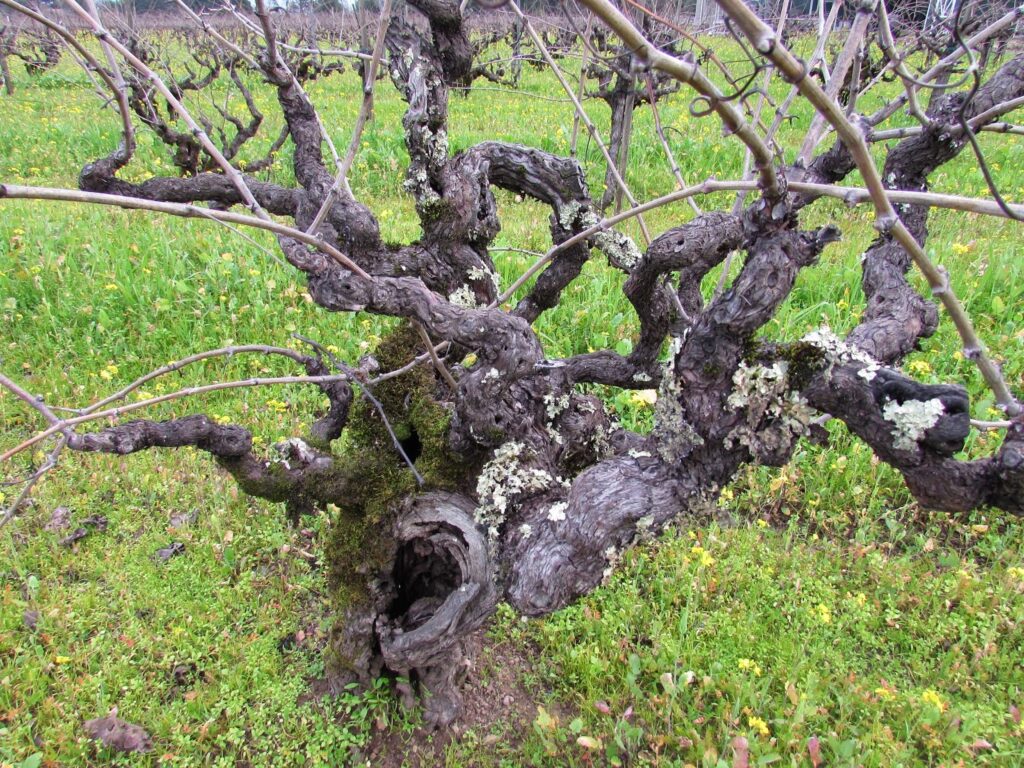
{"x": 480, "y": 273}
{"x": 774, "y": 416}
{"x": 838, "y": 351}
{"x": 294, "y": 448}
{"x": 464, "y": 296}
{"x": 557, "y": 512}
{"x": 676, "y": 437}
{"x": 644, "y": 527}
{"x": 502, "y": 481}
{"x": 911, "y": 419}
{"x": 555, "y": 405}
{"x": 418, "y": 185}
{"x": 437, "y": 146}
{"x": 621, "y": 251}
{"x": 599, "y": 439}
{"x": 573, "y": 213}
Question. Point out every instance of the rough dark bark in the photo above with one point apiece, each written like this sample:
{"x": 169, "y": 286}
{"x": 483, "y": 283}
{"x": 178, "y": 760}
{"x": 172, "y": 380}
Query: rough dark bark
{"x": 205, "y": 187}
{"x": 935, "y": 478}
{"x": 227, "y": 441}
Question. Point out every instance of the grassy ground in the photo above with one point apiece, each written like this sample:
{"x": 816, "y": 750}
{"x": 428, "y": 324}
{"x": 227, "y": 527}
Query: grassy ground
{"x": 824, "y": 610}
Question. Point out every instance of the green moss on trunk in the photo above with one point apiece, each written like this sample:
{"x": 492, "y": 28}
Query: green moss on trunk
{"x": 361, "y": 548}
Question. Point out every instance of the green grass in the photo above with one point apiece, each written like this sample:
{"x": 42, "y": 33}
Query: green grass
{"x": 855, "y": 609}
{"x": 888, "y": 658}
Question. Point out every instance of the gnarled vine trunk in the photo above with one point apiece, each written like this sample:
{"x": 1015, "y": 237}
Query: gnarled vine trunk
{"x": 468, "y": 480}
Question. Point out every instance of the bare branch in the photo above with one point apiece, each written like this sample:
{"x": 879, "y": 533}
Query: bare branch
{"x": 65, "y": 424}
{"x": 15, "y": 191}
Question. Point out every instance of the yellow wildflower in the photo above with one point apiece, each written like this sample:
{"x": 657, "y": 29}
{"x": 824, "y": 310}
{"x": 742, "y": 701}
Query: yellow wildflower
{"x": 703, "y": 556}
{"x": 919, "y": 367}
{"x": 932, "y": 697}
{"x": 644, "y": 397}
{"x": 749, "y": 665}
{"x": 758, "y": 725}
{"x": 824, "y": 613}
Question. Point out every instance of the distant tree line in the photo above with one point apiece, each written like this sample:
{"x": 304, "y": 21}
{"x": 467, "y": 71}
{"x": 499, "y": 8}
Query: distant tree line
{"x": 910, "y": 9}
{"x": 147, "y": 6}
